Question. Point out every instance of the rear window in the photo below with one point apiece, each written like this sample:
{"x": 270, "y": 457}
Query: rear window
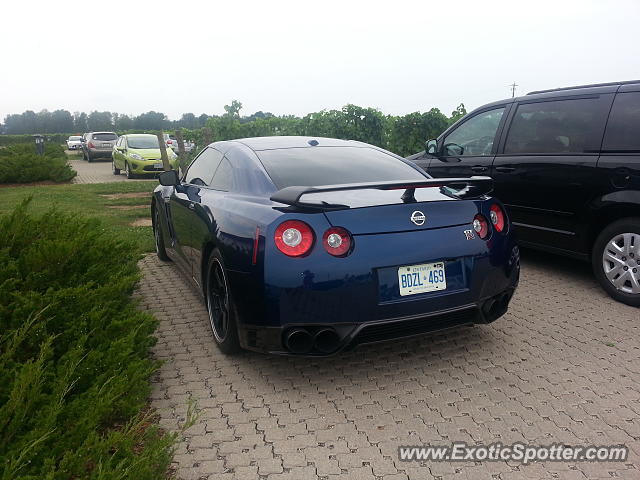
{"x": 333, "y": 166}
{"x": 75, "y": 138}
{"x": 105, "y": 137}
{"x": 623, "y": 129}
{"x": 143, "y": 142}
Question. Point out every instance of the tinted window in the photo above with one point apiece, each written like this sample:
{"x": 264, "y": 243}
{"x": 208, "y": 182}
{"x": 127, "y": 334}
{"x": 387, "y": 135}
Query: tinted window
{"x": 475, "y": 136}
{"x": 202, "y": 169}
{"x": 333, "y": 165}
{"x": 223, "y": 178}
{"x": 150, "y": 141}
{"x": 562, "y": 126}
{"x": 623, "y": 128}
{"x": 105, "y": 137}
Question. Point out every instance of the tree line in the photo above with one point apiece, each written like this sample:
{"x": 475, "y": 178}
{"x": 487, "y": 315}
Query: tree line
{"x": 401, "y": 134}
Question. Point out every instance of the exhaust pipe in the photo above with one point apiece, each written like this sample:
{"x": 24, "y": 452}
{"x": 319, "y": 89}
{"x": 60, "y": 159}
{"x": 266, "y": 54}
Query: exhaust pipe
{"x": 326, "y": 341}
{"x": 299, "y": 341}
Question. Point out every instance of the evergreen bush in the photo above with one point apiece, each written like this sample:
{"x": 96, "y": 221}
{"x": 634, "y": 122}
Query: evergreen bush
{"x": 20, "y": 164}
{"x": 74, "y": 366}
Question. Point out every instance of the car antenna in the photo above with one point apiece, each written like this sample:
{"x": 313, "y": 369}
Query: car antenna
{"x": 409, "y": 195}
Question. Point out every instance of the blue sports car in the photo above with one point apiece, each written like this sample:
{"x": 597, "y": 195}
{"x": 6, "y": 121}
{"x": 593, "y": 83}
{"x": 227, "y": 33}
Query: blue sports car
{"x": 309, "y": 246}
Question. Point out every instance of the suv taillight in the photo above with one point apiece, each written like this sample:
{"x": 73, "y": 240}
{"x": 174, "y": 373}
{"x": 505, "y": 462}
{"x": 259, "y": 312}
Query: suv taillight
{"x": 294, "y": 238}
{"x": 497, "y": 217}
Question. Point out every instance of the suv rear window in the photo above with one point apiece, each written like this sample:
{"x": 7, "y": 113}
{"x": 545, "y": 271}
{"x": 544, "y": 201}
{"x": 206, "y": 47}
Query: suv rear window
{"x": 104, "y": 137}
{"x": 333, "y": 166}
{"x": 559, "y": 126}
{"x": 623, "y": 128}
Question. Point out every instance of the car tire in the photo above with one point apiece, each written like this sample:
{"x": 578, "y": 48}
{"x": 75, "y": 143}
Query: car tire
{"x": 127, "y": 171}
{"x": 616, "y": 260}
{"x": 223, "y": 315}
{"x": 116, "y": 171}
{"x": 158, "y": 238}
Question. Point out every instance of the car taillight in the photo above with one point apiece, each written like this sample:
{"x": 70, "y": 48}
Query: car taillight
{"x": 497, "y": 217}
{"x": 337, "y": 241}
{"x": 481, "y": 226}
{"x": 294, "y": 238}
{"x": 169, "y": 142}
{"x": 90, "y": 145}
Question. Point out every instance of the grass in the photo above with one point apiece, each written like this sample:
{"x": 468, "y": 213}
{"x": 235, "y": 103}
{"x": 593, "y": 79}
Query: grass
{"x": 88, "y": 200}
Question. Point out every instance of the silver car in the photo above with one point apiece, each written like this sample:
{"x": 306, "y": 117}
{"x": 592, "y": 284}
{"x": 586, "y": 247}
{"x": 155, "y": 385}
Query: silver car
{"x": 98, "y": 145}
{"x": 74, "y": 142}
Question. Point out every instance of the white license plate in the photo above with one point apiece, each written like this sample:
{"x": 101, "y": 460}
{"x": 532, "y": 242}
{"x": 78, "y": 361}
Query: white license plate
{"x": 427, "y": 277}
{"x": 157, "y": 165}
{"x": 106, "y": 145}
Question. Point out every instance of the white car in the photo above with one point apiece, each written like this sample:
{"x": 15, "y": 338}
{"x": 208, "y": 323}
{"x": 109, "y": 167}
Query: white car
{"x": 74, "y": 142}
{"x": 172, "y": 142}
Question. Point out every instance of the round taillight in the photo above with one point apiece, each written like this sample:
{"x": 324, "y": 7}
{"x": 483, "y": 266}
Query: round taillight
{"x": 481, "y": 226}
{"x": 337, "y": 241}
{"x": 497, "y": 217}
{"x": 294, "y": 238}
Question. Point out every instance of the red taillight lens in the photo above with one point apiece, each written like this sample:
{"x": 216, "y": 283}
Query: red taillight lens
{"x": 169, "y": 142}
{"x": 481, "y": 226}
{"x": 497, "y": 217}
{"x": 90, "y": 145}
{"x": 337, "y": 241}
{"x": 294, "y": 238}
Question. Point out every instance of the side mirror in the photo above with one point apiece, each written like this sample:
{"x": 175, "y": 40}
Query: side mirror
{"x": 431, "y": 147}
{"x": 169, "y": 179}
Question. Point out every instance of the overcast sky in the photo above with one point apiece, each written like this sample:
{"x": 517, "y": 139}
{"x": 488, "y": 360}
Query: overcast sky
{"x": 295, "y": 57}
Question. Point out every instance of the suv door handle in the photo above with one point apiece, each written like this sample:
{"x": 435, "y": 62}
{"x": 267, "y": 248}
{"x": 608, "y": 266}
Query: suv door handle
{"x": 479, "y": 168}
{"x": 192, "y": 206}
{"x": 505, "y": 169}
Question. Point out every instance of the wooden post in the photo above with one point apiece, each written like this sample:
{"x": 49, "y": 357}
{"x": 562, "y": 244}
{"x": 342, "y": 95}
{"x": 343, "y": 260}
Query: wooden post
{"x": 163, "y": 152}
{"x": 182, "y": 157}
{"x": 207, "y": 135}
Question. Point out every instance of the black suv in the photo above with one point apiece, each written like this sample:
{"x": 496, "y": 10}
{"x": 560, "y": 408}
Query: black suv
{"x": 566, "y": 162}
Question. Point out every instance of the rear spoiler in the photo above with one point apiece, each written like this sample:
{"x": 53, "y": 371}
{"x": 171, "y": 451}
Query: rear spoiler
{"x": 458, "y": 187}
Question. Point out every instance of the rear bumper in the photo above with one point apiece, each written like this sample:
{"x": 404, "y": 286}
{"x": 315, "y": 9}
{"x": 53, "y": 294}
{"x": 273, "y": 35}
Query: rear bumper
{"x": 275, "y": 340}
{"x": 96, "y": 153}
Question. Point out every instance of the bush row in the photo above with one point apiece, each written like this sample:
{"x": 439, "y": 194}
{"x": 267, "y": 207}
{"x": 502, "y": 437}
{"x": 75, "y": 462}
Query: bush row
{"x": 74, "y": 366}
{"x": 20, "y": 164}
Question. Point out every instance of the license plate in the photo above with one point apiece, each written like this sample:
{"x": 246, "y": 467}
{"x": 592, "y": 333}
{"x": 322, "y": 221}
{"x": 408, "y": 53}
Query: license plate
{"x": 157, "y": 165}
{"x": 427, "y": 277}
{"x": 106, "y": 145}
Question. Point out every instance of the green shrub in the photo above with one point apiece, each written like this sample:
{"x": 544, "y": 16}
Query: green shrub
{"x": 74, "y": 366}
{"x": 20, "y": 164}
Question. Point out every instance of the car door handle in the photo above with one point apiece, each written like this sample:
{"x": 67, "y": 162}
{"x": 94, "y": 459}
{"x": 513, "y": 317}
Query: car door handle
{"x": 479, "y": 168}
{"x": 192, "y": 206}
{"x": 505, "y": 169}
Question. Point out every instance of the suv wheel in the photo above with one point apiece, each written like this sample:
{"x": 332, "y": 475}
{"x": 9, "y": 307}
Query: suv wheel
{"x": 616, "y": 260}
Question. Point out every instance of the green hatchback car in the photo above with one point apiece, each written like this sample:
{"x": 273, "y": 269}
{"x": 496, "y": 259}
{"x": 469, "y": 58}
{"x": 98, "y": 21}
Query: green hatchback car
{"x": 139, "y": 154}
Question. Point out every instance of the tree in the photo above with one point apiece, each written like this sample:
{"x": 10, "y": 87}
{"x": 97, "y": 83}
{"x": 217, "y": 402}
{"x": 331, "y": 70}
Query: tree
{"x": 233, "y": 110}
{"x": 150, "y": 121}
{"x": 188, "y": 120}
{"x": 80, "y": 122}
{"x": 98, "y": 121}
{"x": 457, "y": 114}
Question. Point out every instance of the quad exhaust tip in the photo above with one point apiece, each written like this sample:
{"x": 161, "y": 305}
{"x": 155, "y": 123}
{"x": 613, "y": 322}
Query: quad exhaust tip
{"x": 301, "y": 341}
{"x": 326, "y": 340}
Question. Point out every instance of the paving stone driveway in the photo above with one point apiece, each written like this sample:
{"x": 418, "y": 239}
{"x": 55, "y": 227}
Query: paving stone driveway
{"x": 98, "y": 171}
{"x": 561, "y": 366}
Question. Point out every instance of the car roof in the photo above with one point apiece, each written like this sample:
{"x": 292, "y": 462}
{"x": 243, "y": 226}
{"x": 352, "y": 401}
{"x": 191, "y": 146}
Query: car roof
{"x": 273, "y": 143}
{"x": 140, "y": 135}
{"x": 93, "y": 133}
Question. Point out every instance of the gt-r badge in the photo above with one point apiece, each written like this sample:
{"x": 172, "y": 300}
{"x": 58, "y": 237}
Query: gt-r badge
{"x": 469, "y": 234}
{"x": 418, "y": 217}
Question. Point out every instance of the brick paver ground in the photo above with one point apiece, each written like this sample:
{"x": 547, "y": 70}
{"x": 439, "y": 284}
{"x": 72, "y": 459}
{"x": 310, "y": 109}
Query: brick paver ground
{"x": 98, "y": 171}
{"x": 561, "y": 366}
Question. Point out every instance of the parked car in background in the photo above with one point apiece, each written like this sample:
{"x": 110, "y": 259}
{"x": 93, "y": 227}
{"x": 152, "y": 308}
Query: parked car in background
{"x": 172, "y": 143}
{"x": 566, "y": 163}
{"x": 308, "y": 246}
{"x": 139, "y": 154}
{"x": 74, "y": 142}
{"x": 98, "y": 145}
